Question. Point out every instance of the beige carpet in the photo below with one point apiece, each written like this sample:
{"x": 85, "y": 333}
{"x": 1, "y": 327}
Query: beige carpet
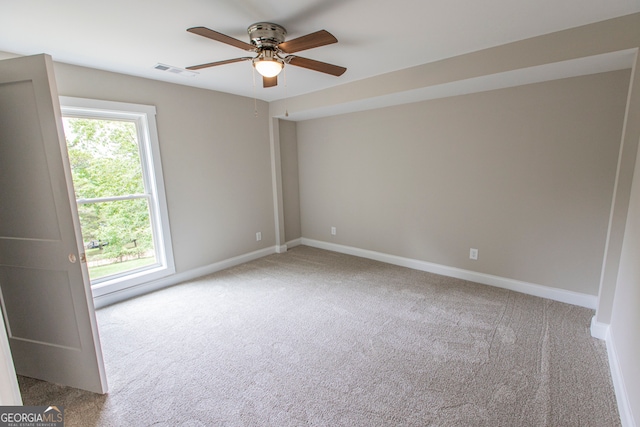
{"x": 315, "y": 338}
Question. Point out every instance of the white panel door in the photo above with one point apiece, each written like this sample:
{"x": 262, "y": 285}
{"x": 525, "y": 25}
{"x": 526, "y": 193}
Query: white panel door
{"x": 44, "y": 285}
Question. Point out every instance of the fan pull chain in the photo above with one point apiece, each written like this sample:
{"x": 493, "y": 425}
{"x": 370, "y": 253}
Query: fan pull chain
{"x": 286, "y": 95}
{"x": 255, "y": 101}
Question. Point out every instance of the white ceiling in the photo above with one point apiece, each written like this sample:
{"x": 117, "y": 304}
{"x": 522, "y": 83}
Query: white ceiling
{"x": 132, "y": 36}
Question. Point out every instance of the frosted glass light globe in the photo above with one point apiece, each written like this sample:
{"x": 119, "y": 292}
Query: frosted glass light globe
{"x": 268, "y": 67}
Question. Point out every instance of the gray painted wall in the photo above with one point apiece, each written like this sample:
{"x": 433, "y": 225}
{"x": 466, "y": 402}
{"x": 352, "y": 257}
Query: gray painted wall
{"x": 215, "y": 156}
{"x": 290, "y": 188}
{"x": 524, "y": 174}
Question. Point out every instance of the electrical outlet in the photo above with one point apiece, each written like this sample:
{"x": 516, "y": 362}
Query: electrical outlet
{"x": 473, "y": 254}
{"x": 333, "y": 231}
{"x": 258, "y": 236}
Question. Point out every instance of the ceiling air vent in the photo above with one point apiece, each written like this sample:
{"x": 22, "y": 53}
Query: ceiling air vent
{"x": 175, "y": 70}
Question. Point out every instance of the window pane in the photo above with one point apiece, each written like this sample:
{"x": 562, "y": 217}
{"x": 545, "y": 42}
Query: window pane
{"x": 114, "y": 154}
{"x": 104, "y": 157}
{"x": 117, "y": 236}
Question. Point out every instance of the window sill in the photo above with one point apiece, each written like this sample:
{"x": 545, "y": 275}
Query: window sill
{"x": 130, "y": 280}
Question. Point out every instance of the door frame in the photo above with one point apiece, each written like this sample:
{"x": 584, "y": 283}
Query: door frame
{"x": 9, "y": 389}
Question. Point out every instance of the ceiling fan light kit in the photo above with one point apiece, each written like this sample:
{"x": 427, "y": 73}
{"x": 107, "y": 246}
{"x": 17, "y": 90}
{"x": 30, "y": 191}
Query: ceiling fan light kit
{"x": 273, "y": 52}
{"x": 268, "y": 64}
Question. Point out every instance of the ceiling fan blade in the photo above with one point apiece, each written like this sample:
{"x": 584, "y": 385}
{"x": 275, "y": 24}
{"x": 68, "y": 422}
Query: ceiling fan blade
{"x": 213, "y": 64}
{"x": 269, "y": 81}
{"x": 214, "y": 35}
{"x": 317, "y": 39}
{"x": 312, "y": 64}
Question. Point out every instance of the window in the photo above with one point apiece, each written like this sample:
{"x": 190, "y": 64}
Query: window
{"x": 117, "y": 177}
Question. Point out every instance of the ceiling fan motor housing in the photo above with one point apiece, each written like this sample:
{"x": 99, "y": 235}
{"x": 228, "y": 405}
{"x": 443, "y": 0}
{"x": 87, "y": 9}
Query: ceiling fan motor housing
{"x": 266, "y": 35}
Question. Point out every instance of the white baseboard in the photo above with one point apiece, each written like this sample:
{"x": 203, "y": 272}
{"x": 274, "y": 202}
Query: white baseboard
{"x": 295, "y": 242}
{"x": 569, "y": 297}
{"x": 599, "y": 330}
{"x": 624, "y": 406}
{"x": 144, "y": 288}
{"x": 556, "y": 294}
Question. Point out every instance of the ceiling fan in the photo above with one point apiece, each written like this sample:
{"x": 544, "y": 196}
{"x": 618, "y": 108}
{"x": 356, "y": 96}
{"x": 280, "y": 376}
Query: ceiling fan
{"x": 273, "y": 52}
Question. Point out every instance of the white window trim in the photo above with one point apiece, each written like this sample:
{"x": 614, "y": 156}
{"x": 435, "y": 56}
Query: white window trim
{"x": 145, "y": 118}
